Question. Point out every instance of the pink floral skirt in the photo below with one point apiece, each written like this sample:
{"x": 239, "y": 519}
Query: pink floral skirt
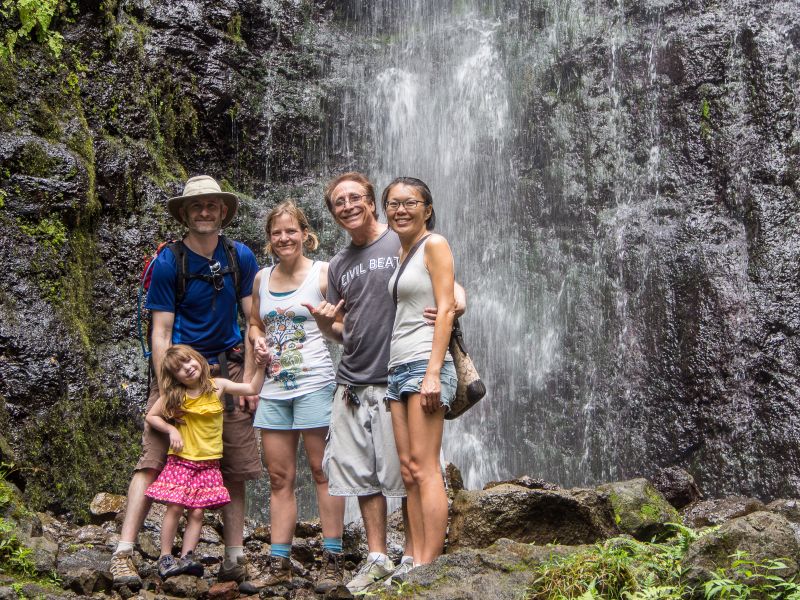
{"x": 189, "y": 483}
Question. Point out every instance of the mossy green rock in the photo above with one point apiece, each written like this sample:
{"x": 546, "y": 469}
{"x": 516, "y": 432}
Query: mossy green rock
{"x": 639, "y": 508}
{"x": 504, "y": 570}
{"x": 760, "y": 536}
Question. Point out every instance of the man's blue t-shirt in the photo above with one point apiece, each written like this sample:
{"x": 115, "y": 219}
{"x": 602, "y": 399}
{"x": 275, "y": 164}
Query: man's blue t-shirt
{"x": 206, "y": 319}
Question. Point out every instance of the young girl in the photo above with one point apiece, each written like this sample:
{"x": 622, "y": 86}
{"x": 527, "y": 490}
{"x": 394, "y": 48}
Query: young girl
{"x": 190, "y": 412}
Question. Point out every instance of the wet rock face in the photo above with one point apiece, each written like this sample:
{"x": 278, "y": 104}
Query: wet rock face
{"x": 538, "y": 516}
{"x": 91, "y": 145}
{"x": 660, "y": 156}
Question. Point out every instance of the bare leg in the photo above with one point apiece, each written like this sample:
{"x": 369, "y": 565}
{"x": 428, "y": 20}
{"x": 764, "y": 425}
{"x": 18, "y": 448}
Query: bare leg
{"x": 169, "y": 527}
{"x": 408, "y": 549}
{"x": 280, "y": 452}
{"x": 331, "y": 508}
{"x": 425, "y": 437}
{"x": 233, "y": 515}
{"x": 373, "y": 511}
{"x": 138, "y": 504}
{"x": 191, "y": 535}
{"x": 414, "y": 531}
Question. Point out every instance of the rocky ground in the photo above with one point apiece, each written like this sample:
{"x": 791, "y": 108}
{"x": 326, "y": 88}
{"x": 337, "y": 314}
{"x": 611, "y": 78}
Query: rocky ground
{"x": 498, "y": 539}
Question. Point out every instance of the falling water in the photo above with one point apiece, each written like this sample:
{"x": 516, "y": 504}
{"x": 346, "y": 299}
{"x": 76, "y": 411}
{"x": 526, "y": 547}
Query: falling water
{"x": 433, "y": 92}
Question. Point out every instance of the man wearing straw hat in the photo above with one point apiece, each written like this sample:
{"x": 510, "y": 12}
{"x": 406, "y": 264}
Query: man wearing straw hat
{"x": 193, "y": 298}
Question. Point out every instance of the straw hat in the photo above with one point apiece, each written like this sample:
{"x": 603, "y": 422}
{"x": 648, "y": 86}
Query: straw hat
{"x": 203, "y": 186}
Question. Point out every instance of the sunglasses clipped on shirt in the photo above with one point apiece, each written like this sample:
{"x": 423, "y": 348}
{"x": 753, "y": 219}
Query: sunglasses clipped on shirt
{"x": 217, "y": 278}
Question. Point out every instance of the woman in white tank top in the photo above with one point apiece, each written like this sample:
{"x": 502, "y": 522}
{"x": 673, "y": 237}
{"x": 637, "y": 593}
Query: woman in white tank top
{"x": 421, "y": 374}
{"x": 298, "y": 392}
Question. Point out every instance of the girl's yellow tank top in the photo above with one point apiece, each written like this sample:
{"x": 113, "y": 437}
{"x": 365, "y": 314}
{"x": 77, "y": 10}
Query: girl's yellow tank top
{"x": 201, "y": 429}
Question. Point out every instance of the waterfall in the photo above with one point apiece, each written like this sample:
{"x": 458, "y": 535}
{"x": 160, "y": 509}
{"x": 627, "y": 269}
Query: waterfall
{"x": 435, "y": 91}
{"x": 593, "y": 164}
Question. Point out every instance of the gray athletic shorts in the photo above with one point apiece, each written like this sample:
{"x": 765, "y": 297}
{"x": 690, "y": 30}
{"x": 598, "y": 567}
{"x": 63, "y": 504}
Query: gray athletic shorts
{"x": 360, "y": 456}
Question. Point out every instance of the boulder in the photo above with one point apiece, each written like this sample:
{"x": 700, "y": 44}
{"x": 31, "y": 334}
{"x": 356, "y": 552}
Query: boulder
{"x": 105, "y": 507}
{"x": 575, "y": 516}
{"x": 525, "y": 481}
{"x": 761, "y": 535}
{"x": 85, "y": 571}
{"x": 717, "y": 511}
{"x": 44, "y": 553}
{"x": 90, "y": 534}
{"x": 677, "y": 486}
{"x": 453, "y": 480}
{"x": 149, "y": 544}
{"x": 500, "y": 572}
{"x": 639, "y": 508}
{"x": 185, "y": 586}
{"x": 788, "y": 507}
{"x": 227, "y": 590}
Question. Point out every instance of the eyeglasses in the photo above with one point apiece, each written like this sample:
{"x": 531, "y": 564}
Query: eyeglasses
{"x": 353, "y": 199}
{"x": 217, "y": 278}
{"x": 409, "y": 203}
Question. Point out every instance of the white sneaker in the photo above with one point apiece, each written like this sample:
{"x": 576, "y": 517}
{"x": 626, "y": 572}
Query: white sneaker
{"x": 369, "y": 573}
{"x": 403, "y": 568}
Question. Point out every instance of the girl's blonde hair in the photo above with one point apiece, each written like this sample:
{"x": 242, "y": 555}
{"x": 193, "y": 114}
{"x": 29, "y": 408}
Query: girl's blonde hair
{"x": 288, "y": 207}
{"x": 174, "y": 390}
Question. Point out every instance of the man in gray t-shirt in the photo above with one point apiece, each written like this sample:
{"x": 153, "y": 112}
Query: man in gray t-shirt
{"x": 361, "y": 457}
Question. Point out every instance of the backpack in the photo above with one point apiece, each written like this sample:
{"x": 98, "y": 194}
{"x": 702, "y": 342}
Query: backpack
{"x": 178, "y": 248}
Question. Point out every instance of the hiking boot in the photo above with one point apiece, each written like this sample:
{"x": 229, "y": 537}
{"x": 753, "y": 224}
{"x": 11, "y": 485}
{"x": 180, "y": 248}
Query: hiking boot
{"x": 279, "y": 572}
{"x": 124, "y": 571}
{"x": 190, "y": 566}
{"x": 330, "y": 576}
{"x": 242, "y": 571}
{"x": 370, "y": 572}
{"x": 168, "y": 566}
{"x": 397, "y": 577}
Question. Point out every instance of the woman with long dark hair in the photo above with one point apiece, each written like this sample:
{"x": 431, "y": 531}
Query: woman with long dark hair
{"x": 422, "y": 379}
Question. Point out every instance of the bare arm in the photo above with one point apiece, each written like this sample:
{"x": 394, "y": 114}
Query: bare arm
{"x": 461, "y": 305}
{"x": 248, "y": 388}
{"x": 329, "y": 317}
{"x": 439, "y": 261}
{"x": 155, "y": 419}
{"x": 161, "y": 339}
{"x": 251, "y": 308}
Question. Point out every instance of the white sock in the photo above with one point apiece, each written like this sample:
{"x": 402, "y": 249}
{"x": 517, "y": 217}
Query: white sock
{"x": 407, "y": 559}
{"x": 378, "y": 557}
{"x": 126, "y": 547}
{"x": 232, "y": 553}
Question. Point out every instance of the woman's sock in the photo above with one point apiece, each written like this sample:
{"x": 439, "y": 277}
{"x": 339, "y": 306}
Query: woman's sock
{"x": 332, "y": 545}
{"x": 282, "y": 550}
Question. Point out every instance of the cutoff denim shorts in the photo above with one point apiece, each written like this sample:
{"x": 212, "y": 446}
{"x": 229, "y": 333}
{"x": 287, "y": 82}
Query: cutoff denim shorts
{"x": 308, "y": 411}
{"x": 407, "y": 378}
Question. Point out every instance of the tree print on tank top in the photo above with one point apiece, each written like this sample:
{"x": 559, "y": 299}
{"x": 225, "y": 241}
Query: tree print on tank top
{"x": 286, "y": 334}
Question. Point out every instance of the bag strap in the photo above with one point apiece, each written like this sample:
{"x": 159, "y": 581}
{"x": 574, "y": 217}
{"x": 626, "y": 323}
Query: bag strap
{"x": 405, "y": 263}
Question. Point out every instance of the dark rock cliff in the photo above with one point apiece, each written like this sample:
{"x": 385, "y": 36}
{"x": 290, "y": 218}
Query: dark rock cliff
{"x": 92, "y": 142}
{"x": 659, "y": 151}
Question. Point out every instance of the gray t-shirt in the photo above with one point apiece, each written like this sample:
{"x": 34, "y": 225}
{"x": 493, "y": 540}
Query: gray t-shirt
{"x": 360, "y": 275}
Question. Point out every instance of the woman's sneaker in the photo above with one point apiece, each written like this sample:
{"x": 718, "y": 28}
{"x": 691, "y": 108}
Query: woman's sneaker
{"x": 330, "y": 576}
{"x": 168, "y": 566}
{"x": 190, "y": 566}
{"x": 279, "y": 572}
{"x": 397, "y": 577}
{"x": 372, "y": 571}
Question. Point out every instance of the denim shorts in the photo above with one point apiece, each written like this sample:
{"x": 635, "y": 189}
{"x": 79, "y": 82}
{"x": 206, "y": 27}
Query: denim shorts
{"x": 407, "y": 378}
{"x": 308, "y": 411}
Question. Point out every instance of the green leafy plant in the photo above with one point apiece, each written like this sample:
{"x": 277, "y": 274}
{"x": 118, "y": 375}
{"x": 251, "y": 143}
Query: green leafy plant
{"x": 35, "y": 18}
{"x": 747, "y": 578}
